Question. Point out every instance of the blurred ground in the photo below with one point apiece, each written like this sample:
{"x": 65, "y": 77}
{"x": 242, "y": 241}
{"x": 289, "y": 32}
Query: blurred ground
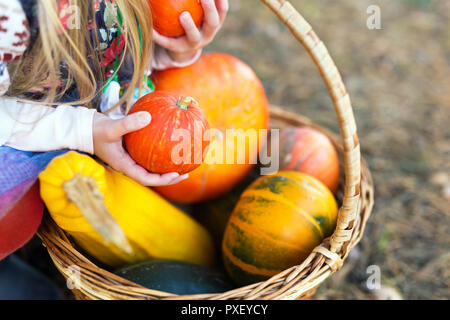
{"x": 399, "y": 81}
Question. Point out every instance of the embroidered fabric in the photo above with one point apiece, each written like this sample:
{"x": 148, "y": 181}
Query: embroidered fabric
{"x": 19, "y": 29}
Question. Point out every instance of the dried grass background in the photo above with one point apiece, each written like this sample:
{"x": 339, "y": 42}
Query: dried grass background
{"x": 399, "y": 81}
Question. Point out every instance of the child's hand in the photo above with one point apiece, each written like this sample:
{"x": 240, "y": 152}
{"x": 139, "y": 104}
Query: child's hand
{"x": 185, "y": 47}
{"x": 108, "y": 146}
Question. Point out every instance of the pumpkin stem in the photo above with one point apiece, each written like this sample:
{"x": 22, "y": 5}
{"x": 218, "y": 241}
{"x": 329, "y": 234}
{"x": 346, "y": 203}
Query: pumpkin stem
{"x": 84, "y": 194}
{"x": 184, "y": 102}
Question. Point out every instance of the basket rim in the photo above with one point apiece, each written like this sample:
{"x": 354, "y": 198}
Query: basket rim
{"x": 97, "y": 283}
{"x": 300, "y": 281}
{"x": 318, "y": 52}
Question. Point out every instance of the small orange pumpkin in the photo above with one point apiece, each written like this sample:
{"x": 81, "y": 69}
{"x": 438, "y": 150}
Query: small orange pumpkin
{"x": 177, "y": 137}
{"x": 307, "y": 150}
{"x": 166, "y": 15}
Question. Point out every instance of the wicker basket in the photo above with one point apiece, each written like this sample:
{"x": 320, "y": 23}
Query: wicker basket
{"x": 299, "y": 282}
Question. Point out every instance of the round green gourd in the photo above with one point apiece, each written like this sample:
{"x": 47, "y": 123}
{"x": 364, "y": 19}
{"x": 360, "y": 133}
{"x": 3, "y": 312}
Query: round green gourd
{"x": 277, "y": 222}
{"x": 175, "y": 277}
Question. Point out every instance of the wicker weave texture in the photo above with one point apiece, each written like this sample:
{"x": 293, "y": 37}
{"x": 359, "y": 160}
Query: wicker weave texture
{"x": 299, "y": 282}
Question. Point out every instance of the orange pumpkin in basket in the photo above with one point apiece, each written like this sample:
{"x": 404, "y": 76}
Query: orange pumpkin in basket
{"x": 166, "y": 15}
{"x": 308, "y": 150}
{"x": 233, "y": 99}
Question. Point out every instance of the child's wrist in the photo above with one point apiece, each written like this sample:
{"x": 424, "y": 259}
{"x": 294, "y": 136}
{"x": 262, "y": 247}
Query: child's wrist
{"x": 181, "y": 57}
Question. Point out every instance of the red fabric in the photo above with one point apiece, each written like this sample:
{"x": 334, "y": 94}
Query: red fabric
{"x": 111, "y": 53}
{"x": 20, "y": 224}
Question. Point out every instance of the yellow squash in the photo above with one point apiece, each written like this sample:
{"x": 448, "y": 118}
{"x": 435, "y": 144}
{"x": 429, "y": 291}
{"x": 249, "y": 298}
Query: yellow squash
{"x": 115, "y": 219}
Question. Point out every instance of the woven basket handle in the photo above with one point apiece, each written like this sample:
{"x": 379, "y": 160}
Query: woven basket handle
{"x": 304, "y": 33}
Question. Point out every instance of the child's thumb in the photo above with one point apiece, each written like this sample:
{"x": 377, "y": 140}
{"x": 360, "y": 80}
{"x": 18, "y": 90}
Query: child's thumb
{"x": 133, "y": 122}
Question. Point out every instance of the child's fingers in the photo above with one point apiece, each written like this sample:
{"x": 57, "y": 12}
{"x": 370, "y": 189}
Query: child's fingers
{"x": 193, "y": 35}
{"x": 122, "y": 162}
{"x": 212, "y": 19}
{"x": 165, "y": 42}
{"x": 129, "y": 167}
{"x": 171, "y": 178}
{"x": 133, "y": 122}
{"x": 179, "y": 179}
{"x": 222, "y": 8}
{"x": 157, "y": 180}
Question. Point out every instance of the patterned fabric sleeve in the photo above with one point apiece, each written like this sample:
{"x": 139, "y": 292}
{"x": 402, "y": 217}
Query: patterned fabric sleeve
{"x": 14, "y": 37}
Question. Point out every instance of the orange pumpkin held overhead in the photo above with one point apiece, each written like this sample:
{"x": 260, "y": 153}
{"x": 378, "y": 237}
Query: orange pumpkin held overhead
{"x": 307, "y": 150}
{"x": 166, "y": 15}
{"x": 234, "y": 101}
{"x": 177, "y": 137}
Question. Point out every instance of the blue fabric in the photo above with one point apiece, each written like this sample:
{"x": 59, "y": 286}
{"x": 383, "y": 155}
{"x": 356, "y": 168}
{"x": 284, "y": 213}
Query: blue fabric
{"x": 19, "y": 281}
{"x": 18, "y": 166}
{"x": 18, "y": 172}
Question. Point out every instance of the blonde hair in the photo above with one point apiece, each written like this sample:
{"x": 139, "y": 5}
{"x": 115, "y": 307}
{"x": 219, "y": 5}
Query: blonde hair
{"x": 74, "y": 48}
